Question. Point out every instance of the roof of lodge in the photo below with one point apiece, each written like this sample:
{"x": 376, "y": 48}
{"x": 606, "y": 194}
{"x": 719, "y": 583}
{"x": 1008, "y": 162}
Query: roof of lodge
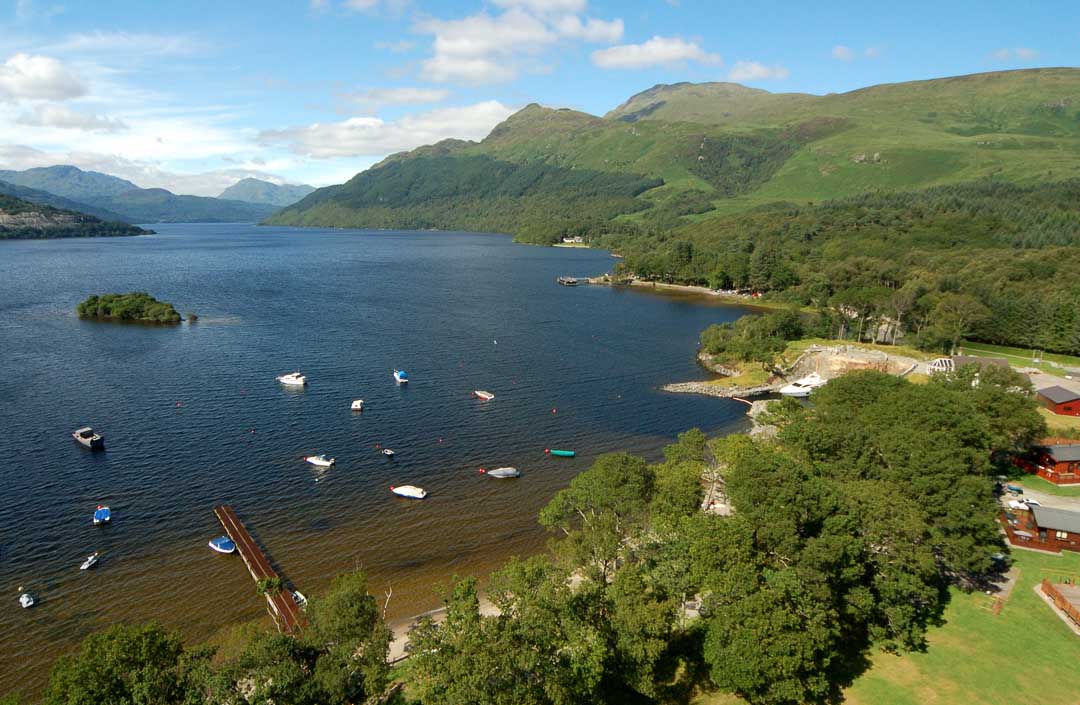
{"x": 1057, "y": 519}
{"x": 1058, "y": 394}
{"x": 1062, "y": 453}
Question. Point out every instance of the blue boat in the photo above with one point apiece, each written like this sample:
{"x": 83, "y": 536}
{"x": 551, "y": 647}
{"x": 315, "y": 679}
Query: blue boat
{"x": 102, "y": 515}
{"x": 223, "y": 544}
{"x": 401, "y": 376}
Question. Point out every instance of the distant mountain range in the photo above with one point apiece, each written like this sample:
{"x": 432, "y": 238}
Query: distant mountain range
{"x": 21, "y": 219}
{"x": 712, "y": 149}
{"x": 96, "y": 193}
{"x": 259, "y": 191}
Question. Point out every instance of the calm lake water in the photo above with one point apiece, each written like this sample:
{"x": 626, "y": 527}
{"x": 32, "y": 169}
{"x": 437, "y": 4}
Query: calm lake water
{"x": 193, "y": 416}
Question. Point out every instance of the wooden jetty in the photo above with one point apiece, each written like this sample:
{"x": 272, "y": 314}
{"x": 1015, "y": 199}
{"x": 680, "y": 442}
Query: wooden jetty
{"x": 284, "y": 610}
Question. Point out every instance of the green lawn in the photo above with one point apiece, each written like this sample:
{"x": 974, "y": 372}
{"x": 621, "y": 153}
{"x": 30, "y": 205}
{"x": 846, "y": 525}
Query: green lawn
{"x": 1034, "y": 482}
{"x": 1022, "y": 655}
{"x": 1022, "y": 357}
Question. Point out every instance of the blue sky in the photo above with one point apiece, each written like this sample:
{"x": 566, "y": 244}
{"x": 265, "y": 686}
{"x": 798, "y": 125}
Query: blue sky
{"x": 193, "y": 96}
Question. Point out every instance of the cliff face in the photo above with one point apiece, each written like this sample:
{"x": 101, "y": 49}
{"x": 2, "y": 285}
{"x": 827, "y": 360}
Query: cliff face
{"x": 32, "y": 219}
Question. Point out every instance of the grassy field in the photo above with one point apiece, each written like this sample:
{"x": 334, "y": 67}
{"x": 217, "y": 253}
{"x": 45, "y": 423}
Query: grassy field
{"x": 1022, "y": 655}
{"x": 1060, "y": 425}
{"x": 1034, "y": 482}
{"x": 1021, "y": 357}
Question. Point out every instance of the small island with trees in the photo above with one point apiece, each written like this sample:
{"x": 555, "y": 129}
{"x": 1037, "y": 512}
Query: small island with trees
{"x": 135, "y": 307}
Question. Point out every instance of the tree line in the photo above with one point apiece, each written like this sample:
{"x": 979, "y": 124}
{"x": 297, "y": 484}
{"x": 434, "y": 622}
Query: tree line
{"x": 838, "y": 538}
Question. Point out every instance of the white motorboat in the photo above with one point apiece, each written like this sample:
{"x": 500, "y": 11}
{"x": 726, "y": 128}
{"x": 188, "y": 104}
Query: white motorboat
{"x": 401, "y": 376}
{"x": 358, "y": 405}
{"x": 482, "y": 395}
{"x": 90, "y": 561}
{"x": 409, "y": 491}
{"x": 322, "y": 460}
{"x": 803, "y": 387}
{"x": 388, "y": 452}
{"x": 89, "y": 438}
{"x": 26, "y": 600}
{"x": 501, "y": 473}
{"x": 293, "y": 379}
{"x": 299, "y": 598}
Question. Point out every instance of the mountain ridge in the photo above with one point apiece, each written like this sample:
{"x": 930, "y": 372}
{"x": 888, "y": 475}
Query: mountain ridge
{"x": 94, "y": 191}
{"x": 252, "y": 190}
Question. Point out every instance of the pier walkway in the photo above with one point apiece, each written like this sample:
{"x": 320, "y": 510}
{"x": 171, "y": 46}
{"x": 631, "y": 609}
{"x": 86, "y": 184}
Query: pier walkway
{"x": 284, "y": 610}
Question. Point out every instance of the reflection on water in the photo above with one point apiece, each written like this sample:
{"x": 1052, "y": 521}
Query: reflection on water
{"x": 193, "y": 416}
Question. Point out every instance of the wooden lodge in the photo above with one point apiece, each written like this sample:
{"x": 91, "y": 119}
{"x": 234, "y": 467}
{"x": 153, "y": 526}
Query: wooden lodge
{"x": 1059, "y": 463}
{"x": 1059, "y": 400}
{"x": 1043, "y": 528}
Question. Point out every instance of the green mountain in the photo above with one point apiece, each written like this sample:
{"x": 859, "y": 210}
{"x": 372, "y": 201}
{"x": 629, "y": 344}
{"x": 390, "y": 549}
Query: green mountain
{"x": 721, "y": 148}
{"x": 21, "y": 219}
{"x": 70, "y": 182}
{"x": 155, "y": 205}
{"x": 259, "y": 191}
{"x": 91, "y": 191}
{"x": 50, "y": 199}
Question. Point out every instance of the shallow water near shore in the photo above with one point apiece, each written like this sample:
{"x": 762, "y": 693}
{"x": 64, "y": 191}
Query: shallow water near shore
{"x": 193, "y": 416}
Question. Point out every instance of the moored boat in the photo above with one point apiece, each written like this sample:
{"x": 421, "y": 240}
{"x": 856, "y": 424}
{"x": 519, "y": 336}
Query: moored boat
{"x": 26, "y": 600}
{"x": 358, "y": 405}
{"x": 322, "y": 460}
{"x": 89, "y": 438}
{"x": 482, "y": 395}
{"x": 501, "y": 473}
{"x": 567, "y": 281}
{"x": 409, "y": 491}
{"x": 388, "y": 452}
{"x": 804, "y": 386}
{"x": 102, "y": 515}
{"x": 401, "y": 376}
{"x": 560, "y": 453}
{"x": 293, "y": 379}
{"x": 222, "y": 544}
{"x": 90, "y": 561}
{"x": 299, "y": 598}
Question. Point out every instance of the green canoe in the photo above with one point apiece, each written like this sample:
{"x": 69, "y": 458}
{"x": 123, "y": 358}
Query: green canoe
{"x": 563, "y": 453}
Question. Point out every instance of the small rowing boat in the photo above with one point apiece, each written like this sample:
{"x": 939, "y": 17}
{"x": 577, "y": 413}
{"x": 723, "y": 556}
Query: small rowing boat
{"x": 102, "y": 515}
{"x": 409, "y": 491}
{"x": 222, "y": 544}
{"x": 560, "y": 453}
{"x": 501, "y": 473}
{"x": 90, "y": 561}
{"x": 482, "y": 395}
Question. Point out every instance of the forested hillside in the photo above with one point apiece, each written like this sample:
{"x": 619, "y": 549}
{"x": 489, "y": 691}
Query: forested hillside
{"x": 21, "y": 219}
{"x": 1005, "y": 255}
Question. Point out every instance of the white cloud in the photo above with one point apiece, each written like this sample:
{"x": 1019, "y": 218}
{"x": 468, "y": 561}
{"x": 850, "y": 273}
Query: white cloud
{"x": 657, "y": 51}
{"x": 375, "y": 98}
{"x": 755, "y": 71}
{"x": 127, "y": 43}
{"x": 65, "y": 118}
{"x": 843, "y": 53}
{"x": 38, "y": 78}
{"x": 481, "y": 49}
{"x": 541, "y": 7}
{"x": 1015, "y": 54}
{"x": 361, "y": 4}
{"x": 872, "y": 52}
{"x": 371, "y": 136}
{"x": 591, "y": 30}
